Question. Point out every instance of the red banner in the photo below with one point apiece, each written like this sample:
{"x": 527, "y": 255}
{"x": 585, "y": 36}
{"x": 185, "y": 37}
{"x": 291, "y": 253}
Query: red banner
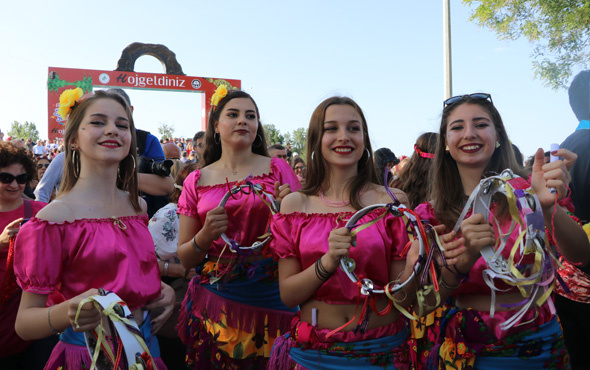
{"x": 60, "y": 79}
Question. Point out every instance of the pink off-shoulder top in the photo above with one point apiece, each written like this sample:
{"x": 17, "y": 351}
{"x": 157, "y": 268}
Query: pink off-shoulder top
{"x": 71, "y": 257}
{"x": 252, "y": 216}
{"x": 305, "y": 237}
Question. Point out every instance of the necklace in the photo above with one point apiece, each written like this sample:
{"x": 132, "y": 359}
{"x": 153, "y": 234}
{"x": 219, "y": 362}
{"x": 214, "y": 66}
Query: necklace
{"x": 331, "y": 203}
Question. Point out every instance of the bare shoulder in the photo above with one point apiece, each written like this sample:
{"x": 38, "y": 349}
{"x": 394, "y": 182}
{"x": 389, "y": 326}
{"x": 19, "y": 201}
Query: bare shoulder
{"x": 59, "y": 210}
{"x": 383, "y": 196}
{"x": 293, "y": 202}
{"x": 143, "y": 206}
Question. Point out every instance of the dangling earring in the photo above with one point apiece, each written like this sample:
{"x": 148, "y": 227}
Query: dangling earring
{"x": 216, "y": 139}
{"x": 130, "y": 175}
{"x": 75, "y": 163}
{"x": 447, "y": 148}
{"x": 260, "y": 143}
{"x": 368, "y": 152}
{"x": 497, "y": 144}
{"x": 312, "y": 153}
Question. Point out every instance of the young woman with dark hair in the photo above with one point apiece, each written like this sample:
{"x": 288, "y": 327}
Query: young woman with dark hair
{"x": 232, "y": 312}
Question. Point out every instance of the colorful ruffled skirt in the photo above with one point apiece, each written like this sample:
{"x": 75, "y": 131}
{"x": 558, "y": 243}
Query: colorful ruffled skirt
{"x": 70, "y": 353}
{"x": 306, "y": 347}
{"x": 233, "y": 322}
{"x": 466, "y": 342}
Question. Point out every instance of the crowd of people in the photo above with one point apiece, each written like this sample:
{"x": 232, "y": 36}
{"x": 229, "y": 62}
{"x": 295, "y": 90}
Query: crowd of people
{"x": 233, "y": 253}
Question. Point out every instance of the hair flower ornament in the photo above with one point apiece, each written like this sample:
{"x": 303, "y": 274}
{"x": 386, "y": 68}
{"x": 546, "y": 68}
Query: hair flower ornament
{"x": 219, "y": 94}
{"x": 67, "y": 101}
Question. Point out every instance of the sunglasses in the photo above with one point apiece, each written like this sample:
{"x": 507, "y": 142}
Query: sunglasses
{"x": 299, "y": 168}
{"x": 476, "y": 96}
{"x": 8, "y": 178}
{"x": 41, "y": 165}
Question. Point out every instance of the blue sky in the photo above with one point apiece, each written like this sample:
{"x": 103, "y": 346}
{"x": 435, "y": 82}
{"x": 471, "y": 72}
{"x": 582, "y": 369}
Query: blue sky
{"x": 290, "y": 55}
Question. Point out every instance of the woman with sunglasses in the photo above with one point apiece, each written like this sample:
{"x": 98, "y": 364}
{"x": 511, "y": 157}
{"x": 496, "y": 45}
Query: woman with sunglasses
{"x": 334, "y": 328}
{"x": 473, "y": 144}
{"x": 16, "y": 169}
{"x": 42, "y": 164}
{"x": 232, "y": 312}
{"x": 300, "y": 169}
{"x": 93, "y": 236}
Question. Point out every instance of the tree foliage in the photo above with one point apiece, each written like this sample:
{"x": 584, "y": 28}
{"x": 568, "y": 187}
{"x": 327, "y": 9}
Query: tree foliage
{"x": 165, "y": 130}
{"x": 24, "y": 131}
{"x": 273, "y": 135}
{"x": 558, "y": 29}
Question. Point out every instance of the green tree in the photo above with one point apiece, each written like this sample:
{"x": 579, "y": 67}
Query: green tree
{"x": 558, "y": 29}
{"x": 273, "y": 134}
{"x": 165, "y": 130}
{"x": 24, "y": 131}
{"x": 299, "y": 141}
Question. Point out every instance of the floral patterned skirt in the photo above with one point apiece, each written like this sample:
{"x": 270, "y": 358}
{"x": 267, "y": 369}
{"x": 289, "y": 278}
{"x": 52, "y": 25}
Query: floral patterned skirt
{"x": 467, "y": 343}
{"x": 232, "y": 323}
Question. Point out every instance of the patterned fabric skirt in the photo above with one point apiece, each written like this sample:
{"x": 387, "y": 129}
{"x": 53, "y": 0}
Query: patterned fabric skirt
{"x": 70, "y": 353}
{"x": 308, "y": 348}
{"x": 467, "y": 343}
{"x": 233, "y": 322}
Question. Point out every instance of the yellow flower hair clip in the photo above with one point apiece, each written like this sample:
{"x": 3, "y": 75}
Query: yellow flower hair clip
{"x": 219, "y": 94}
{"x": 67, "y": 100}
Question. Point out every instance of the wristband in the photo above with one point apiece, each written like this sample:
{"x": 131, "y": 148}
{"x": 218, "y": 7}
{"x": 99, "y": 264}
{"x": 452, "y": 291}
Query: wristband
{"x": 447, "y": 286}
{"x": 196, "y": 247}
{"x": 53, "y": 330}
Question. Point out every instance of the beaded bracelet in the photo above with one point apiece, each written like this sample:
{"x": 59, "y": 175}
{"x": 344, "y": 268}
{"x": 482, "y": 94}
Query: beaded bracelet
{"x": 53, "y": 330}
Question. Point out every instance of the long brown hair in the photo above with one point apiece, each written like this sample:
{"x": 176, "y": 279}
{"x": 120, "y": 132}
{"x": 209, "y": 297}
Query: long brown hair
{"x": 415, "y": 175}
{"x": 317, "y": 169}
{"x": 127, "y": 176}
{"x": 448, "y": 195}
{"x": 213, "y": 150}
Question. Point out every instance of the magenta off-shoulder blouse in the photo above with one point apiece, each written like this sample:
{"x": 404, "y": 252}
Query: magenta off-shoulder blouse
{"x": 252, "y": 216}
{"x": 71, "y": 257}
{"x": 305, "y": 237}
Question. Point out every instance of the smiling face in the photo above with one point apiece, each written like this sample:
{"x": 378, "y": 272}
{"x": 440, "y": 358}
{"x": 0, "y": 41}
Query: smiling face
{"x": 104, "y": 133}
{"x": 342, "y": 139}
{"x": 471, "y": 136}
{"x": 13, "y": 191}
{"x": 238, "y": 123}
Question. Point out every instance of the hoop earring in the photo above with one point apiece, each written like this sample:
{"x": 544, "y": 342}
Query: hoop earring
{"x": 75, "y": 163}
{"x": 216, "y": 139}
{"x": 260, "y": 143}
{"x": 130, "y": 175}
{"x": 312, "y": 153}
{"x": 368, "y": 152}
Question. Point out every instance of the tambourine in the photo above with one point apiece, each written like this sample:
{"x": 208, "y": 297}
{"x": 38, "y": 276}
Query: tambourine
{"x": 348, "y": 265}
{"x": 535, "y": 281}
{"x": 268, "y": 199}
{"x": 125, "y": 334}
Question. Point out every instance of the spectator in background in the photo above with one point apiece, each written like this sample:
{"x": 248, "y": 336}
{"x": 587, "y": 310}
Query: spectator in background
{"x": 199, "y": 146}
{"x": 42, "y": 165}
{"x": 279, "y": 151}
{"x": 171, "y": 151}
{"x": 289, "y": 152}
{"x": 184, "y": 156}
{"x": 384, "y": 157}
{"x": 39, "y": 150}
{"x": 300, "y": 169}
{"x": 415, "y": 178}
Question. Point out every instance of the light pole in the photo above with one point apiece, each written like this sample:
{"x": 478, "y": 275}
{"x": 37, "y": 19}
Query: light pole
{"x": 447, "y": 65}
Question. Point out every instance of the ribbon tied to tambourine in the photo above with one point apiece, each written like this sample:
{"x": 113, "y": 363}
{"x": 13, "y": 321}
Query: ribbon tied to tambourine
{"x": 534, "y": 280}
{"x": 423, "y": 268}
{"x": 250, "y": 189}
{"x": 106, "y": 345}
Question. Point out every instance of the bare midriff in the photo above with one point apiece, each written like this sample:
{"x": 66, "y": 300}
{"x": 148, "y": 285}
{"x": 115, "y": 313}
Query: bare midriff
{"x": 483, "y": 302}
{"x": 332, "y": 316}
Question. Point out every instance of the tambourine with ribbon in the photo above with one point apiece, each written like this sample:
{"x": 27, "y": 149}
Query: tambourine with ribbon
{"x": 535, "y": 281}
{"x": 106, "y": 345}
{"x": 248, "y": 188}
{"x": 424, "y": 270}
